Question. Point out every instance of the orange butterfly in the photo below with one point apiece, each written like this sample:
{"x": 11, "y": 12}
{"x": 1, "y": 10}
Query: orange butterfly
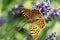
{"x": 36, "y": 23}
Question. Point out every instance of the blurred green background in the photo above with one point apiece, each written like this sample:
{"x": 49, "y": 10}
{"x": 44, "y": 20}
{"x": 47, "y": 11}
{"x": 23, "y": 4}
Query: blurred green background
{"x": 18, "y": 30}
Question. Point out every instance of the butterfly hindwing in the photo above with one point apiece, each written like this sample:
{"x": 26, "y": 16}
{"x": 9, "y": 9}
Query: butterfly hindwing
{"x": 35, "y": 28}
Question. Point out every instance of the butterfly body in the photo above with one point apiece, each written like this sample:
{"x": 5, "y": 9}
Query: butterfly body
{"x": 36, "y": 23}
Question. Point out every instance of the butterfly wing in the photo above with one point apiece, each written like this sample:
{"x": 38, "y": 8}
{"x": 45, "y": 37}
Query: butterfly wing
{"x": 35, "y": 27}
{"x": 35, "y": 13}
{"x": 30, "y": 13}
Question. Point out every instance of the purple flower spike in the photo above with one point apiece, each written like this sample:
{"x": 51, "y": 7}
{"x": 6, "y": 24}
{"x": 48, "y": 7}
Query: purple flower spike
{"x": 44, "y": 6}
{"x": 59, "y": 11}
{"x": 2, "y": 21}
{"x": 29, "y": 37}
{"x": 38, "y": 5}
{"x": 17, "y": 7}
{"x": 52, "y": 16}
{"x": 56, "y": 12}
{"x": 45, "y": 3}
{"x": 52, "y": 36}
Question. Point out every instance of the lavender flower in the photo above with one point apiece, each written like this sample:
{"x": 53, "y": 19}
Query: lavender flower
{"x": 2, "y": 20}
{"x": 59, "y": 10}
{"x": 55, "y": 13}
{"x": 17, "y": 7}
{"x": 50, "y": 18}
{"x": 38, "y": 5}
{"x": 44, "y": 6}
{"x": 29, "y": 37}
{"x": 14, "y": 14}
{"x": 52, "y": 36}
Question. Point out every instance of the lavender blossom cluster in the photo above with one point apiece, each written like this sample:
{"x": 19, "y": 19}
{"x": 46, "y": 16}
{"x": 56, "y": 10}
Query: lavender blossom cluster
{"x": 15, "y": 9}
{"x": 44, "y": 7}
{"x": 52, "y": 16}
{"x": 52, "y": 36}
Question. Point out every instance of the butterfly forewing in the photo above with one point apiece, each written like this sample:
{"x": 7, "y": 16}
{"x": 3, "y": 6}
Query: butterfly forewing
{"x": 25, "y": 12}
{"x": 30, "y": 13}
{"x": 35, "y": 13}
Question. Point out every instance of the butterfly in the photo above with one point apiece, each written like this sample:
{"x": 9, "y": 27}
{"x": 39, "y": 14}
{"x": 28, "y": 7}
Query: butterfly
{"x": 36, "y": 23}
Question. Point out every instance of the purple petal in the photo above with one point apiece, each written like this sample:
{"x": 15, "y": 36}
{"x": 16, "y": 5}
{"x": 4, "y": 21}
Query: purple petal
{"x": 2, "y": 20}
{"x": 16, "y": 6}
{"x": 52, "y": 37}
